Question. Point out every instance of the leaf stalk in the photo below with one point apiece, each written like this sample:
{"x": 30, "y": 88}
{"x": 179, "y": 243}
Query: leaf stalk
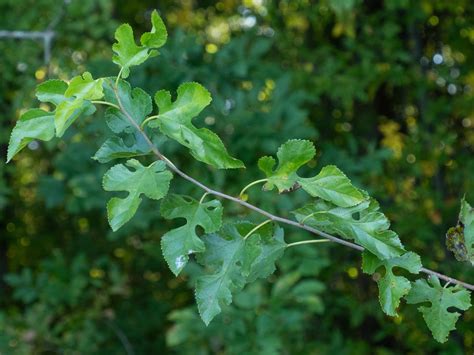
{"x": 250, "y": 185}
{"x": 257, "y": 228}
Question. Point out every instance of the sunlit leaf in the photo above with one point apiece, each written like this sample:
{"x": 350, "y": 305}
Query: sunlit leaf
{"x": 330, "y": 184}
{"x": 71, "y": 100}
{"x": 291, "y": 156}
{"x": 128, "y": 53}
{"x": 33, "y": 124}
{"x": 175, "y": 121}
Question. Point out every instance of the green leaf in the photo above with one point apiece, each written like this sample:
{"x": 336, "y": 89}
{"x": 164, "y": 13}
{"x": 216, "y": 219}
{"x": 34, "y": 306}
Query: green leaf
{"x": 175, "y": 121}
{"x": 272, "y": 248}
{"x": 157, "y": 37}
{"x": 137, "y": 105}
{"x": 291, "y": 156}
{"x": 178, "y": 243}
{"x": 71, "y": 101}
{"x": 391, "y": 287}
{"x": 116, "y": 148}
{"x": 128, "y": 53}
{"x": 228, "y": 258}
{"x": 51, "y": 91}
{"x": 152, "y": 181}
{"x": 460, "y": 239}
{"x": 85, "y": 87}
{"x": 33, "y": 124}
{"x": 332, "y": 185}
{"x": 362, "y": 223}
{"x": 437, "y": 317}
{"x": 67, "y": 112}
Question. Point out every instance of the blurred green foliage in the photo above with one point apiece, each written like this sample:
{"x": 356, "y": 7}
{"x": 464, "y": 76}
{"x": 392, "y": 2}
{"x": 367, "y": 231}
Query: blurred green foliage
{"x": 384, "y": 89}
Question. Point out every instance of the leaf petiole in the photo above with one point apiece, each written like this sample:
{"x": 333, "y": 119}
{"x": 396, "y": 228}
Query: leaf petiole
{"x": 118, "y": 77}
{"x": 250, "y": 185}
{"x": 257, "y": 227}
{"x": 106, "y": 103}
{"x": 203, "y": 197}
{"x": 148, "y": 119}
{"x": 311, "y": 241}
{"x": 308, "y": 216}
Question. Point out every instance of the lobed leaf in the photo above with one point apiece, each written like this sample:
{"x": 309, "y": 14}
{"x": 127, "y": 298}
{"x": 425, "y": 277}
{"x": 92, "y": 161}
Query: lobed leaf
{"x": 71, "y": 100}
{"x": 85, "y": 87}
{"x": 229, "y": 256}
{"x": 152, "y": 181}
{"x": 116, "y": 148}
{"x": 291, "y": 156}
{"x": 33, "y": 124}
{"x": 179, "y": 243}
{"x": 391, "y": 287}
{"x": 437, "y": 316}
{"x": 330, "y": 184}
{"x": 128, "y": 53}
{"x": 129, "y": 141}
{"x": 363, "y": 223}
{"x": 272, "y": 248}
{"x": 231, "y": 261}
{"x": 175, "y": 121}
{"x": 135, "y": 102}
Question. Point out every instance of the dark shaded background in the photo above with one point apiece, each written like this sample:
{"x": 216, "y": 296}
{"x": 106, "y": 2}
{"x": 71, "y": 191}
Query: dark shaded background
{"x": 383, "y": 88}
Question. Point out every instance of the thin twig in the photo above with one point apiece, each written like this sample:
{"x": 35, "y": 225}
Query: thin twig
{"x": 267, "y": 214}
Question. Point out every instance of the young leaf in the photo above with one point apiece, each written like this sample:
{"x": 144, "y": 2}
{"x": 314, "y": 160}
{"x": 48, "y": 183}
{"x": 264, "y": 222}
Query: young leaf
{"x": 437, "y": 317}
{"x": 51, "y": 91}
{"x": 67, "y": 112}
{"x": 291, "y": 156}
{"x": 71, "y": 101}
{"x": 152, "y": 181}
{"x": 128, "y": 54}
{"x": 391, "y": 287}
{"x": 363, "y": 223}
{"x": 229, "y": 258}
{"x": 175, "y": 121}
{"x": 330, "y": 184}
{"x": 157, "y": 37}
{"x": 33, "y": 124}
{"x": 460, "y": 239}
{"x": 85, "y": 87}
{"x": 178, "y": 243}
